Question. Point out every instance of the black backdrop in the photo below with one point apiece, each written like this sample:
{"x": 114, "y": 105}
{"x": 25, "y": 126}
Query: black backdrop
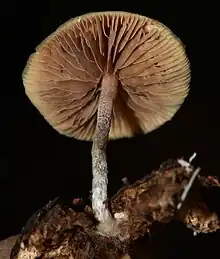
{"x": 38, "y": 164}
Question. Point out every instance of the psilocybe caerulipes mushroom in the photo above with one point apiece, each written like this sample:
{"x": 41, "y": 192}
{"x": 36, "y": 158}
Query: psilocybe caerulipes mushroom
{"x": 107, "y": 75}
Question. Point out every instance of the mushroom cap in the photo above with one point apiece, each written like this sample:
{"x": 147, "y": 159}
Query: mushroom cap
{"x": 62, "y": 78}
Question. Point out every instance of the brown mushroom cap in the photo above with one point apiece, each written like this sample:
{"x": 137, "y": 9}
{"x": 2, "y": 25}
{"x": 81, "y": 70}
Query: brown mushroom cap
{"x": 62, "y": 78}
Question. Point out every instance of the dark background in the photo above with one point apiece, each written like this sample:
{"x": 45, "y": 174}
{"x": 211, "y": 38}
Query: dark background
{"x": 37, "y": 164}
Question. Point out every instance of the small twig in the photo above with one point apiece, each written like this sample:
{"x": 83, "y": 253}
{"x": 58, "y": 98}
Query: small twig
{"x": 192, "y": 157}
{"x": 188, "y": 187}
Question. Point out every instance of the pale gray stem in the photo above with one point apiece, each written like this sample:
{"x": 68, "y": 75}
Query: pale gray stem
{"x": 99, "y": 161}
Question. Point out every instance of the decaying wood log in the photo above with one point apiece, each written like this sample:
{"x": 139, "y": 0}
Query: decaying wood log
{"x": 62, "y": 231}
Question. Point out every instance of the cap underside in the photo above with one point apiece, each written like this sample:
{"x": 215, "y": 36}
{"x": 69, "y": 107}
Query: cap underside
{"x": 62, "y": 78}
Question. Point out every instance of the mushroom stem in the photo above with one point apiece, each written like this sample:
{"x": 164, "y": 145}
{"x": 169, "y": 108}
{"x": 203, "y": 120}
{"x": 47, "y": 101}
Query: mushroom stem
{"x": 99, "y": 160}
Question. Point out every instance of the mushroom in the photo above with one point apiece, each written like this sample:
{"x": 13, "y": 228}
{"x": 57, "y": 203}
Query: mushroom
{"x": 107, "y": 75}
